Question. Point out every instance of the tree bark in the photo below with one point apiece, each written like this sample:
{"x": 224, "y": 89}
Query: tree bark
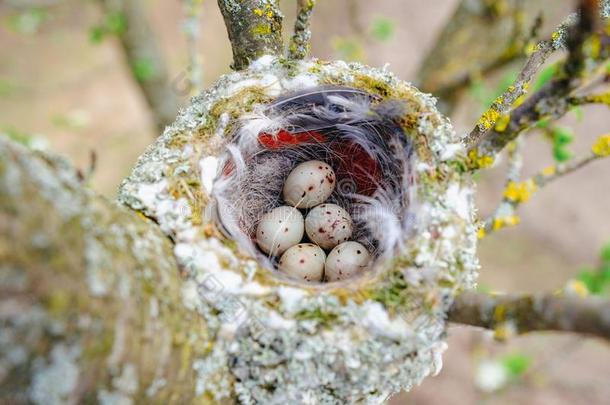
{"x": 254, "y": 28}
{"x": 90, "y": 298}
{"x": 522, "y": 313}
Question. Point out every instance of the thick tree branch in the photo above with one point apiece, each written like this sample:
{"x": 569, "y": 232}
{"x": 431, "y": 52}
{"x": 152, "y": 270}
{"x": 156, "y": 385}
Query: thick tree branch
{"x": 145, "y": 60}
{"x": 254, "y": 28}
{"x": 90, "y": 300}
{"x": 533, "y": 313}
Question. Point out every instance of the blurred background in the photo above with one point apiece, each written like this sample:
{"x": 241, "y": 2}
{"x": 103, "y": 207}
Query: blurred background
{"x": 67, "y": 85}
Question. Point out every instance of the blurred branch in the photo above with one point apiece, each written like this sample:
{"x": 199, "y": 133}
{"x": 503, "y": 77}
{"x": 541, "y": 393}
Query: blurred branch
{"x": 145, "y": 60}
{"x": 254, "y": 28}
{"x": 522, "y": 313}
{"x": 90, "y": 292}
{"x": 517, "y": 193}
{"x": 300, "y": 44}
{"x": 481, "y": 36}
{"x": 587, "y": 52}
{"x": 192, "y": 30}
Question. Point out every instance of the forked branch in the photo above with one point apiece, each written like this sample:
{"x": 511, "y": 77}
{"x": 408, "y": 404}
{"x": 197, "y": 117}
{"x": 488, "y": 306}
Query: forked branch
{"x": 587, "y": 51}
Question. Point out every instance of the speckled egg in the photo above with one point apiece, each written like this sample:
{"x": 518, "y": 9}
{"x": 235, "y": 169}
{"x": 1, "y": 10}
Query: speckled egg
{"x": 309, "y": 184}
{"x": 279, "y": 229}
{"x": 345, "y": 261}
{"x": 327, "y": 225}
{"x": 304, "y": 261}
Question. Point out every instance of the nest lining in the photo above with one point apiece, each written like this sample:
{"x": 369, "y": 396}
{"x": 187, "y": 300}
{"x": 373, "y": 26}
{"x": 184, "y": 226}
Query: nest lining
{"x": 356, "y": 133}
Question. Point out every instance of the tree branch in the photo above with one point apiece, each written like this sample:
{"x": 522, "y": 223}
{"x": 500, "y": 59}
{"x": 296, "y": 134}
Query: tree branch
{"x": 254, "y": 28}
{"x": 300, "y": 43}
{"x": 496, "y": 129}
{"x": 481, "y": 36}
{"x": 90, "y": 300}
{"x": 517, "y": 193}
{"x": 145, "y": 60}
{"x": 533, "y": 313}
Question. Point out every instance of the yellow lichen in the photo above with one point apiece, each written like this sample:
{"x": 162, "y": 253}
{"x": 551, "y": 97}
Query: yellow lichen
{"x": 519, "y": 100}
{"x": 502, "y": 123}
{"x": 601, "y": 147}
{"x": 503, "y": 222}
{"x": 594, "y": 46}
{"x": 262, "y": 29}
{"x": 258, "y": 12}
{"x": 577, "y": 288}
{"x": 479, "y": 161}
{"x": 603, "y": 98}
{"x": 530, "y": 48}
{"x": 488, "y": 119}
{"x": 549, "y": 171}
{"x": 520, "y": 192}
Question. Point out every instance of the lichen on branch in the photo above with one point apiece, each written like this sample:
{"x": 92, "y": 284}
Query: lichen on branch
{"x": 91, "y": 294}
{"x": 254, "y": 28}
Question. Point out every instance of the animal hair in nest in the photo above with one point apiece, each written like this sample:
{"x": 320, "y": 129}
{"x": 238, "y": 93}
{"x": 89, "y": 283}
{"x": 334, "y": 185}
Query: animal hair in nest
{"x": 355, "y": 132}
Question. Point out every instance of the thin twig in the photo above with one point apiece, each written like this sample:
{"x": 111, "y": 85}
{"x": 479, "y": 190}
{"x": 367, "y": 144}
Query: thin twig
{"x": 517, "y": 193}
{"x": 145, "y": 60}
{"x": 497, "y": 128}
{"x": 300, "y": 44}
{"x": 475, "y": 42}
{"x": 503, "y": 103}
{"x": 192, "y": 31}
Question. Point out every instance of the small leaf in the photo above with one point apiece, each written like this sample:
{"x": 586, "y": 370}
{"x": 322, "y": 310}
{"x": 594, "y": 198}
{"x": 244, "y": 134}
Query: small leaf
{"x": 578, "y": 113}
{"x": 562, "y": 136}
{"x": 97, "y": 34}
{"x": 591, "y": 280}
{"x": 516, "y": 364}
{"x": 561, "y": 154}
{"x": 382, "y": 29}
{"x": 605, "y": 254}
{"x": 144, "y": 69}
{"x": 116, "y": 23}
{"x": 544, "y": 123}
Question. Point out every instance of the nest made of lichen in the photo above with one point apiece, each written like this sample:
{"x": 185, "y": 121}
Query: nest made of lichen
{"x": 390, "y": 324}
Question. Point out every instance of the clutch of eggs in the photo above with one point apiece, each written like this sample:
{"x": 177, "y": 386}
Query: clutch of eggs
{"x": 328, "y": 226}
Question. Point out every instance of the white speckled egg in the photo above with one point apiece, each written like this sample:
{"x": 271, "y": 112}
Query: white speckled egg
{"x": 309, "y": 184}
{"x": 304, "y": 261}
{"x": 327, "y": 225}
{"x": 279, "y": 229}
{"x": 346, "y": 260}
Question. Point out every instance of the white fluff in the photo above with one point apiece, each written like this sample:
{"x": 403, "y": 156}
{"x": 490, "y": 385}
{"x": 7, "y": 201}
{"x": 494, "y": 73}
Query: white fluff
{"x": 252, "y": 176}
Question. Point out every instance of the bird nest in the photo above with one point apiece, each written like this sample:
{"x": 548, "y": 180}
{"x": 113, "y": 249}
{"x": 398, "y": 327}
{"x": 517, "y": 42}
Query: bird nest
{"x": 399, "y": 173}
